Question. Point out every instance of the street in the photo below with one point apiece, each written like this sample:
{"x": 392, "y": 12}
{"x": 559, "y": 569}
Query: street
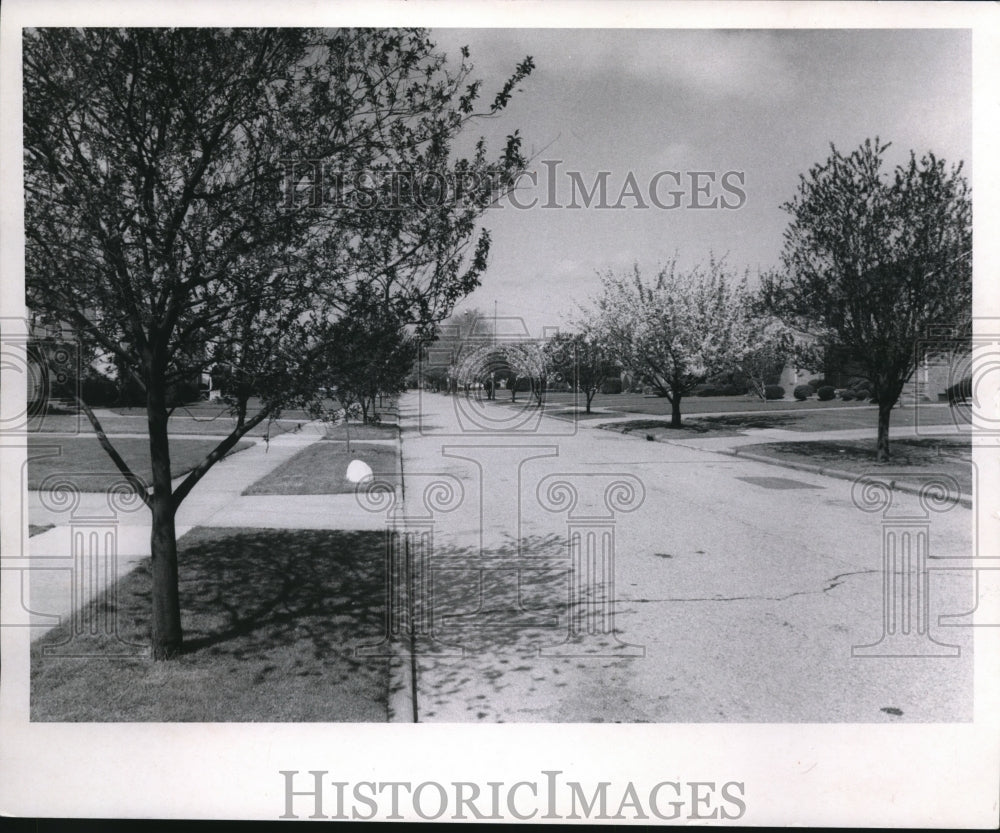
{"x": 739, "y": 587}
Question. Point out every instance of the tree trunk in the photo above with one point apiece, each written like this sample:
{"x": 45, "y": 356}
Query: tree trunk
{"x": 590, "y": 397}
{"x": 675, "y": 411}
{"x": 167, "y": 634}
{"x": 882, "y": 444}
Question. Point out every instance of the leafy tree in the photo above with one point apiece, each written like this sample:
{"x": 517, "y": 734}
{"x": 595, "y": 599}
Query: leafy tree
{"x": 455, "y": 351}
{"x": 764, "y": 342}
{"x": 674, "y": 331}
{"x": 873, "y": 261}
{"x": 582, "y": 360}
{"x": 205, "y": 198}
{"x": 523, "y": 360}
{"x": 368, "y": 353}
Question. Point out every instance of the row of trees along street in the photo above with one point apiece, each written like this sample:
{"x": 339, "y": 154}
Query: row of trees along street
{"x": 169, "y": 222}
{"x": 174, "y": 220}
{"x": 873, "y": 264}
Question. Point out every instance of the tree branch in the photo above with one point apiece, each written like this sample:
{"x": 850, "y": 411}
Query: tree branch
{"x": 136, "y": 482}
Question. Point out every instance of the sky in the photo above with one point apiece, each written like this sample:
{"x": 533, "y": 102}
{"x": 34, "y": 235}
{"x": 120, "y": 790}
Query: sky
{"x": 762, "y": 103}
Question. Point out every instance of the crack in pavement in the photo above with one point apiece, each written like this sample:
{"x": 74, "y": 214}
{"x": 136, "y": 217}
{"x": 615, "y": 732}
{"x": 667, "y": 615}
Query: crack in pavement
{"x": 831, "y": 583}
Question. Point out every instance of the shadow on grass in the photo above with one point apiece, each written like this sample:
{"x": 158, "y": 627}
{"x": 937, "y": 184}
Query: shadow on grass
{"x": 261, "y": 589}
{"x": 272, "y": 619}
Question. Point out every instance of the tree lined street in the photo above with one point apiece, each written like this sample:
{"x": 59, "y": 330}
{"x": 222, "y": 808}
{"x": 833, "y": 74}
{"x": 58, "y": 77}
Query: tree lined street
{"x": 759, "y": 631}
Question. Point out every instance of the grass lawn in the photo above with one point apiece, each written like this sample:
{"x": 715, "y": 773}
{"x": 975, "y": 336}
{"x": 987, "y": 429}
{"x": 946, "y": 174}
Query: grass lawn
{"x": 216, "y": 422}
{"x": 805, "y": 420}
{"x": 640, "y": 403}
{"x": 357, "y": 431}
{"x": 321, "y": 469}
{"x": 88, "y": 466}
{"x": 271, "y": 621}
{"x": 202, "y": 410}
{"x": 627, "y": 403}
{"x": 937, "y": 455}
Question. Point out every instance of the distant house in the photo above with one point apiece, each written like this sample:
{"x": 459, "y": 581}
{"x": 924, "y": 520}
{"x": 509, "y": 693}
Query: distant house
{"x": 929, "y": 383}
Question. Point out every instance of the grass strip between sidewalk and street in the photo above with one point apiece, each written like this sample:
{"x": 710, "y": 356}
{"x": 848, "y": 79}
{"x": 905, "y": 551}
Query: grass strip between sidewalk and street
{"x": 272, "y": 619}
{"x": 321, "y": 469}
{"x": 806, "y": 421}
{"x": 912, "y": 459}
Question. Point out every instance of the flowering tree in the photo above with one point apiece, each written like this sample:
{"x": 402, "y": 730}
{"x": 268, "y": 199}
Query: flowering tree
{"x": 510, "y": 360}
{"x": 528, "y": 360}
{"x": 872, "y": 260}
{"x": 763, "y": 342}
{"x": 581, "y": 359}
{"x": 674, "y": 331}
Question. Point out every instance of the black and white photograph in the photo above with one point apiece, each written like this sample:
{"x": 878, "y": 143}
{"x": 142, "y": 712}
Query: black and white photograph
{"x": 505, "y": 412}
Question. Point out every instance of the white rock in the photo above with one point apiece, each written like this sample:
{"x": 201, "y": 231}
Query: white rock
{"x": 358, "y": 471}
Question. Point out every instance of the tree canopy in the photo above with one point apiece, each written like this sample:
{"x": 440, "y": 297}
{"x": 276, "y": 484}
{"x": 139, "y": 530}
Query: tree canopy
{"x": 200, "y": 197}
{"x": 675, "y": 330}
{"x": 874, "y": 260}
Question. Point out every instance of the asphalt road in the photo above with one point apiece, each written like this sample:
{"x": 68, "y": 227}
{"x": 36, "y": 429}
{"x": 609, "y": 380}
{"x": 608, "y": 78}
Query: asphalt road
{"x": 704, "y": 588}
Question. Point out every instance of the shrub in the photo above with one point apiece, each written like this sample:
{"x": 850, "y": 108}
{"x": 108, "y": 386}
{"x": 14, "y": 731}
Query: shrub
{"x": 847, "y": 394}
{"x": 774, "y": 392}
{"x": 960, "y": 392}
{"x": 825, "y": 393}
{"x": 181, "y": 393}
{"x": 817, "y": 383}
{"x": 803, "y": 392}
{"x": 611, "y": 386}
{"x": 709, "y": 389}
{"x": 99, "y": 391}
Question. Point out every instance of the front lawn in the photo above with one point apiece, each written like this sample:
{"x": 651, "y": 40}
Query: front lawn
{"x": 913, "y": 457}
{"x": 271, "y": 618}
{"x": 88, "y": 467}
{"x": 321, "y": 469}
{"x": 213, "y": 421}
{"x": 805, "y": 420}
{"x": 627, "y": 403}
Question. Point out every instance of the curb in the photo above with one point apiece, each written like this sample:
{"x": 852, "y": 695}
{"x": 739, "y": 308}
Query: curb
{"x": 401, "y": 705}
{"x": 894, "y": 485}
